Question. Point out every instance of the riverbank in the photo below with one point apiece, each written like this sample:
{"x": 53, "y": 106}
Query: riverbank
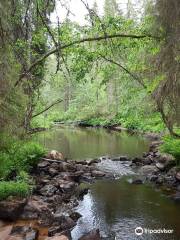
{"x": 113, "y": 126}
{"x": 159, "y": 169}
{"x": 60, "y": 184}
{"x": 152, "y": 125}
{"x": 52, "y": 203}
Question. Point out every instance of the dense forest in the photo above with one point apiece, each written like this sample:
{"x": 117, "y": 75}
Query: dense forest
{"x": 121, "y": 66}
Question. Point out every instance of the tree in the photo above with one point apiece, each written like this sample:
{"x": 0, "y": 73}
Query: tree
{"x": 167, "y": 93}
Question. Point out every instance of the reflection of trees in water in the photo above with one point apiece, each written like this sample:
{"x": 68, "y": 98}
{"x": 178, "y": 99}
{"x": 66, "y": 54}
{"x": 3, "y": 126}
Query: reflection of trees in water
{"x": 115, "y": 201}
{"x": 88, "y": 143}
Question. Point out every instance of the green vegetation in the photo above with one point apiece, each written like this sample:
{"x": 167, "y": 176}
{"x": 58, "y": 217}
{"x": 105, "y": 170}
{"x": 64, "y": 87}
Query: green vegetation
{"x": 171, "y": 146}
{"x": 12, "y": 188}
{"x": 138, "y": 123}
{"x": 17, "y": 158}
{"x": 118, "y": 67}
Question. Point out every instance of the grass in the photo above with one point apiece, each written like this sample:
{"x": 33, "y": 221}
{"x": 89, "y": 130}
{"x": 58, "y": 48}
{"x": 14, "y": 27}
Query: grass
{"x": 12, "y": 188}
{"x": 171, "y": 146}
{"x": 17, "y": 158}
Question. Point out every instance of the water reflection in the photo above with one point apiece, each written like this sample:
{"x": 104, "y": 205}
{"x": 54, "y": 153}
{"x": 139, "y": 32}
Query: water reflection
{"x": 118, "y": 207}
{"x": 115, "y": 207}
{"x": 79, "y": 143}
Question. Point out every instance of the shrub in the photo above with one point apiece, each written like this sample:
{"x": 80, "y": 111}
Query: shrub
{"x": 12, "y": 188}
{"x": 172, "y": 146}
{"x": 20, "y": 156}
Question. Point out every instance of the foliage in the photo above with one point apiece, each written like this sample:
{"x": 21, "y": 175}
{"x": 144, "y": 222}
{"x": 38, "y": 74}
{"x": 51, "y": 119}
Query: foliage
{"x": 172, "y": 146}
{"x": 13, "y": 188}
{"x": 19, "y": 156}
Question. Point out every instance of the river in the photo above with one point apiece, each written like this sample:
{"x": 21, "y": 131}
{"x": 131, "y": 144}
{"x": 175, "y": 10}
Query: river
{"x": 116, "y": 207}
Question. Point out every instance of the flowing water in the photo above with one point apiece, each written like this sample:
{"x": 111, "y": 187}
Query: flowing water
{"x": 116, "y": 207}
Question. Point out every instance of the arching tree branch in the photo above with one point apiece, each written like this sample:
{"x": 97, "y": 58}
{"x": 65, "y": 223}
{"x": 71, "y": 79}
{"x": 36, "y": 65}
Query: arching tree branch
{"x": 138, "y": 79}
{"x": 47, "y": 108}
{"x": 90, "y": 39}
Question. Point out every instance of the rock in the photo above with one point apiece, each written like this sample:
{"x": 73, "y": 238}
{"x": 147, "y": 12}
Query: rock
{"x": 81, "y": 193}
{"x": 67, "y": 186}
{"x": 75, "y": 216}
{"x": 137, "y": 161}
{"x": 43, "y": 164}
{"x": 160, "y": 180}
{"x": 153, "y": 146}
{"x": 92, "y": 161}
{"x": 153, "y": 137}
{"x": 43, "y": 181}
{"x": 54, "y": 230}
{"x": 66, "y": 167}
{"x": 160, "y": 166}
{"x": 62, "y": 223}
{"x": 170, "y": 180}
{"x": 25, "y": 232}
{"x": 137, "y": 181}
{"x": 121, "y": 158}
{"x": 86, "y": 177}
{"x": 176, "y": 196}
{"x": 92, "y": 235}
{"x": 104, "y": 158}
{"x": 55, "y": 155}
{"x": 11, "y": 209}
{"x": 34, "y": 208}
{"x": 153, "y": 178}
{"x": 5, "y": 232}
{"x": 67, "y": 223}
{"x": 148, "y": 170}
{"x": 164, "y": 158}
{"x": 147, "y": 161}
{"x": 53, "y": 172}
{"x": 73, "y": 176}
{"x": 172, "y": 171}
{"x": 178, "y": 175}
{"x": 62, "y": 237}
{"x": 96, "y": 173}
{"x": 48, "y": 190}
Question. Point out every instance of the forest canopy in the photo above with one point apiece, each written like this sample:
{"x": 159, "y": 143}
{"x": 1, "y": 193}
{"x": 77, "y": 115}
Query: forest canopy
{"x": 120, "y": 66}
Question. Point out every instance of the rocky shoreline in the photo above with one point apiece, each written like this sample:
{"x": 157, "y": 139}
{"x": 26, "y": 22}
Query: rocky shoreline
{"x": 57, "y": 192}
{"x": 159, "y": 169}
{"x": 52, "y": 203}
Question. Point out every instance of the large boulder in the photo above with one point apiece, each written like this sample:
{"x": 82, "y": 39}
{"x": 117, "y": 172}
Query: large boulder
{"x": 92, "y": 235}
{"x": 11, "y": 209}
{"x": 148, "y": 170}
{"x": 55, "y": 155}
{"x": 34, "y": 208}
